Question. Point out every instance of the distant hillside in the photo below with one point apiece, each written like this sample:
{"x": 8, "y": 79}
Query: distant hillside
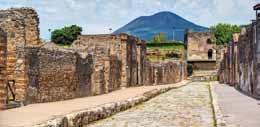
{"x": 169, "y": 23}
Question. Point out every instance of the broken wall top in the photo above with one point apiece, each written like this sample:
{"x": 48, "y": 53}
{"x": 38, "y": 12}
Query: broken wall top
{"x": 104, "y": 39}
{"x": 21, "y": 25}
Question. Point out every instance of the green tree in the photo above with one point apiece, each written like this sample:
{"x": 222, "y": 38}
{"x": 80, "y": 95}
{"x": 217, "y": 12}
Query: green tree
{"x": 223, "y": 32}
{"x": 159, "y": 38}
{"x": 66, "y": 35}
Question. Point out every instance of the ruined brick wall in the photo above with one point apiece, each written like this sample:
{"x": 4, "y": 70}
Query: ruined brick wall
{"x": 3, "y": 48}
{"x": 55, "y": 74}
{"x": 166, "y": 72}
{"x": 107, "y": 71}
{"x": 239, "y": 66}
{"x": 141, "y": 61}
{"x": 21, "y": 26}
{"x": 198, "y": 44}
{"x": 123, "y": 46}
{"x": 246, "y": 61}
{"x": 257, "y": 60}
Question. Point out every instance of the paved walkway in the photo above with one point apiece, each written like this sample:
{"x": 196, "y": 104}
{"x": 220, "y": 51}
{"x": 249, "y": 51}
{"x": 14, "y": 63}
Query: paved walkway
{"x": 238, "y": 108}
{"x": 37, "y": 113}
{"x": 189, "y": 106}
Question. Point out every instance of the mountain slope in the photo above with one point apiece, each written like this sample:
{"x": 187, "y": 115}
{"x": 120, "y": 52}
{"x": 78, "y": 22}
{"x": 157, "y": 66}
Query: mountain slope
{"x": 169, "y": 23}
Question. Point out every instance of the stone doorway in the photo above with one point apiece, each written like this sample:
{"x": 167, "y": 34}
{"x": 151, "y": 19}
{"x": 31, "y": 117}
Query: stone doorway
{"x": 210, "y": 54}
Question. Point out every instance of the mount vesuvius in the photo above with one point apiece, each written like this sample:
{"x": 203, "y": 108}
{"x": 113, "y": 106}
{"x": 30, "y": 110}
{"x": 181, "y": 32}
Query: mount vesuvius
{"x": 172, "y": 25}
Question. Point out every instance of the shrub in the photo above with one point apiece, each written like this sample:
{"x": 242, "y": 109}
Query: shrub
{"x": 66, "y": 35}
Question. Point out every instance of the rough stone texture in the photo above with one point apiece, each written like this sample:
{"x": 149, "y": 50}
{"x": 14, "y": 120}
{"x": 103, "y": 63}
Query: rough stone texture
{"x": 239, "y": 66}
{"x": 3, "y": 43}
{"x": 21, "y": 26}
{"x": 55, "y": 74}
{"x": 141, "y": 59}
{"x": 257, "y": 57}
{"x": 166, "y": 72}
{"x": 201, "y": 46}
{"x": 122, "y": 46}
{"x": 189, "y": 106}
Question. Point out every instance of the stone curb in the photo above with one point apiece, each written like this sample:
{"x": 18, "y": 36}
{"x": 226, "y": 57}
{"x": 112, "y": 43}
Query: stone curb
{"x": 220, "y": 118}
{"x": 87, "y": 116}
{"x": 220, "y": 121}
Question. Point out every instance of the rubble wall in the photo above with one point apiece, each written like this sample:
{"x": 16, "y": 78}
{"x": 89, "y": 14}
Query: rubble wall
{"x": 239, "y": 66}
{"x": 21, "y": 26}
{"x": 167, "y": 72}
{"x": 55, "y": 74}
{"x": 3, "y": 48}
{"x": 257, "y": 57}
{"x": 124, "y": 47}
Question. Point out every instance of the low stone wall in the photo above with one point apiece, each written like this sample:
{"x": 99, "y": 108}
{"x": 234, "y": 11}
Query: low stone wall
{"x": 165, "y": 72}
{"x": 239, "y": 66}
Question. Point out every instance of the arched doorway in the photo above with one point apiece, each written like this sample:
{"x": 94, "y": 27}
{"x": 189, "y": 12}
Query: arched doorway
{"x": 209, "y": 41}
{"x": 210, "y": 54}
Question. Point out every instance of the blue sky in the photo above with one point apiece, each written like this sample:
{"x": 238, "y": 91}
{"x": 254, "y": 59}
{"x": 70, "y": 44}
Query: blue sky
{"x": 97, "y": 16}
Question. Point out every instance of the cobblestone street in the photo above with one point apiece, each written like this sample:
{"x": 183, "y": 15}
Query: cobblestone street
{"x": 189, "y": 106}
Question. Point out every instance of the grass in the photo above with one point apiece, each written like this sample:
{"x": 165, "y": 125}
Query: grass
{"x": 164, "y": 49}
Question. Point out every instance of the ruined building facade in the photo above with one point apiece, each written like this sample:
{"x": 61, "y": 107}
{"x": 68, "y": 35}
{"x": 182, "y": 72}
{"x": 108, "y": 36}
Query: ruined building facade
{"x": 18, "y": 26}
{"x": 241, "y": 64}
{"x": 201, "y": 50}
{"x": 36, "y": 72}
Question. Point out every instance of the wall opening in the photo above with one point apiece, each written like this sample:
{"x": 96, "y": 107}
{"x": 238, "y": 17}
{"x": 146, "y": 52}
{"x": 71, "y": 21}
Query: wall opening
{"x": 209, "y": 41}
{"x": 210, "y": 54}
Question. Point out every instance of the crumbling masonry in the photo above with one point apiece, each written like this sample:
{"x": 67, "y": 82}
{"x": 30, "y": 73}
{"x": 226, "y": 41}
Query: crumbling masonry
{"x": 34, "y": 72}
{"x": 240, "y": 66}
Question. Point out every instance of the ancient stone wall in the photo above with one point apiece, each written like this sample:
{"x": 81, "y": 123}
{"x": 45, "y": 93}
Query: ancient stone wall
{"x": 198, "y": 45}
{"x": 21, "y": 26}
{"x": 257, "y": 59}
{"x": 239, "y": 66}
{"x": 55, "y": 74}
{"x": 141, "y": 61}
{"x": 3, "y": 47}
{"x": 166, "y": 72}
{"x": 122, "y": 46}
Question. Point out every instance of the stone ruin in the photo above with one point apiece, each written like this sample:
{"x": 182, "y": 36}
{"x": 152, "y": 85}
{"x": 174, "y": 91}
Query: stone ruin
{"x": 18, "y": 26}
{"x": 240, "y": 66}
{"x": 34, "y": 72}
{"x": 201, "y": 50}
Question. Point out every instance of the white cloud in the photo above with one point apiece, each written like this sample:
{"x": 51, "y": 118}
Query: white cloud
{"x": 96, "y": 16}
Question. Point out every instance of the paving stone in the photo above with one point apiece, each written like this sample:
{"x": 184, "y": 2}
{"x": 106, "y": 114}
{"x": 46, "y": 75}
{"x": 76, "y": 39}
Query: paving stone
{"x": 189, "y": 106}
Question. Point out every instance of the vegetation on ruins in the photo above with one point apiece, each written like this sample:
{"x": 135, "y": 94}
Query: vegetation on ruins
{"x": 160, "y": 48}
{"x": 224, "y": 31}
{"x": 66, "y": 35}
{"x": 159, "y": 38}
